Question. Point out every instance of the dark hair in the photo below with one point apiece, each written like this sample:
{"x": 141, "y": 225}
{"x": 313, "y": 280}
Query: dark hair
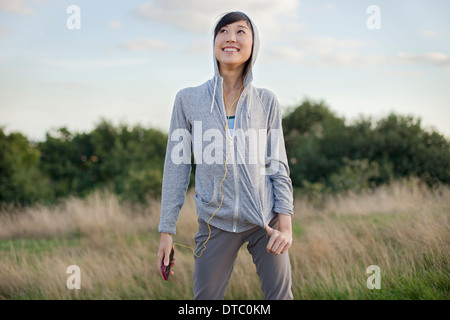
{"x": 232, "y": 17}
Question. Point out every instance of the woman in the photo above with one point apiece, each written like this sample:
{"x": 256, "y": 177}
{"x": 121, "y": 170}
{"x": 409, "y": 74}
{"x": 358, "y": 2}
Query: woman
{"x": 241, "y": 195}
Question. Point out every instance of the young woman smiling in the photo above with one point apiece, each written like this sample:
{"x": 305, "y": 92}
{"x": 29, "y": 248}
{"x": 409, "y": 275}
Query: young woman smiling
{"x": 236, "y": 203}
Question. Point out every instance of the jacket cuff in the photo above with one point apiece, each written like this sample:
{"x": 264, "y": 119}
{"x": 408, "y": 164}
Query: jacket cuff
{"x": 166, "y": 229}
{"x": 283, "y": 210}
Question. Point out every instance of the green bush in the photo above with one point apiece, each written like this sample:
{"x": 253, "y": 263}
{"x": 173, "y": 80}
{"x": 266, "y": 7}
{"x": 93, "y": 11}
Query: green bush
{"x": 126, "y": 161}
{"x": 355, "y": 176}
{"x": 324, "y": 150}
{"x": 326, "y": 154}
{"x": 21, "y": 181}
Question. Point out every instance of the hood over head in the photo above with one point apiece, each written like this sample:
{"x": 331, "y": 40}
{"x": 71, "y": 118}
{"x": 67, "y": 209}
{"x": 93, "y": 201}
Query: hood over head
{"x": 253, "y": 56}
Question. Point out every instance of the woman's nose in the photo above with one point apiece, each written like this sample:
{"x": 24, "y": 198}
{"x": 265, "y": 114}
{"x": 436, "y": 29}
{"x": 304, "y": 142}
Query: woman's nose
{"x": 231, "y": 37}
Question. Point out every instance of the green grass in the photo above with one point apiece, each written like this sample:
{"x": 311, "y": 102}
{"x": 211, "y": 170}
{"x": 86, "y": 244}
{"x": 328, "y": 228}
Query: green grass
{"x": 329, "y": 256}
{"x": 36, "y": 246}
{"x": 431, "y": 282}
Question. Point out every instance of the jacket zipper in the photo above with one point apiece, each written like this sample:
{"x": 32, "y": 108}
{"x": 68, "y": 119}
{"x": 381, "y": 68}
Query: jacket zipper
{"x": 236, "y": 188}
{"x": 236, "y": 185}
{"x": 235, "y": 177}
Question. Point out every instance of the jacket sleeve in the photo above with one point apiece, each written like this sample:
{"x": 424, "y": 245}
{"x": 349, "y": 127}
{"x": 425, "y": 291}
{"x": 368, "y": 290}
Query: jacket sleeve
{"x": 277, "y": 166}
{"x": 177, "y": 168}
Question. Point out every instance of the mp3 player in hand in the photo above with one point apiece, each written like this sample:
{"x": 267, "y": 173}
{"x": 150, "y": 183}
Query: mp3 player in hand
{"x": 165, "y": 271}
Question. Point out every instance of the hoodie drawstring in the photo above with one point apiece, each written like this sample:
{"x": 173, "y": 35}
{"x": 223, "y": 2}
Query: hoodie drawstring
{"x": 214, "y": 95}
{"x": 249, "y": 100}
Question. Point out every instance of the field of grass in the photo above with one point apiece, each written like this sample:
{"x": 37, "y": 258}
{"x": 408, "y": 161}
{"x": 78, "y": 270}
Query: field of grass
{"x": 402, "y": 228}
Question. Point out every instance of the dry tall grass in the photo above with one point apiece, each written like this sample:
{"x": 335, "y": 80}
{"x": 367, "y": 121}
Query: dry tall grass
{"x": 403, "y": 228}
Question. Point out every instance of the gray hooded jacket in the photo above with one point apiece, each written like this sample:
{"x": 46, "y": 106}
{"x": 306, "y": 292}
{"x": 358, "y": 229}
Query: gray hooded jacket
{"x": 241, "y": 181}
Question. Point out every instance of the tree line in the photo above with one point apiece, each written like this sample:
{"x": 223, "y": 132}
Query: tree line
{"x": 329, "y": 155}
{"x": 326, "y": 155}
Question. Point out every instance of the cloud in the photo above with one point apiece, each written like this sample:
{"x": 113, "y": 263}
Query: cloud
{"x": 283, "y": 54}
{"x": 329, "y": 6}
{"x": 16, "y": 6}
{"x": 325, "y": 7}
{"x": 3, "y": 33}
{"x": 350, "y": 59}
{"x": 436, "y": 58}
{"x": 78, "y": 64}
{"x": 325, "y": 52}
{"x": 144, "y": 44}
{"x": 321, "y": 52}
{"x": 64, "y": 85}
{"x": 429, "y": 33}
{"x": 199, "y": 16}
{"x": 354, "y": 59}
{"x": 404, "y": 73}
{"x": 280, "y": 27}
{"x": 115, "y": 24}
{"x": 200, "y": 47}
{"x": 326, "y": 45}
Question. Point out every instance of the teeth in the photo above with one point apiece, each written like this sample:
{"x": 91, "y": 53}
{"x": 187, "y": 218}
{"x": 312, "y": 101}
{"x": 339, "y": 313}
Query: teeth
{"x": 230, "y": 50}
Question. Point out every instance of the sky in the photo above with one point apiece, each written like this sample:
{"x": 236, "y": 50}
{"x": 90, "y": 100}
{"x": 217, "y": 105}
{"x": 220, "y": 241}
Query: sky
{"x": 124, "y": 61}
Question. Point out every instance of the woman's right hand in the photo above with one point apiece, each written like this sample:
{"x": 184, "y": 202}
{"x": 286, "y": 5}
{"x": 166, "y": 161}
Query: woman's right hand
{"x": 165, "y": 246}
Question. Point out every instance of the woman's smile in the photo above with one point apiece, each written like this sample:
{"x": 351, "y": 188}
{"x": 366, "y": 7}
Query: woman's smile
{"x": 230, "y": 49}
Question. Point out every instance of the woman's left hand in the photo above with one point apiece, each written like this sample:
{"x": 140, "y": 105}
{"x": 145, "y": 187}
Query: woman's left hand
{"x": 280, "y": 240}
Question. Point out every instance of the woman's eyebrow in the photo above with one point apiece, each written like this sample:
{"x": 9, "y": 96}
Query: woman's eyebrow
{"x": 238, "y": 26}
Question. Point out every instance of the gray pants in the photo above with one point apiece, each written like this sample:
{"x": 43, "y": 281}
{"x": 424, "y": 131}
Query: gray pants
{"x": 213, "y": 269}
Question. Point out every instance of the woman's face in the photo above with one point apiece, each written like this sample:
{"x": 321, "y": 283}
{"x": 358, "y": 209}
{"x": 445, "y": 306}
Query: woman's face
{"x": 233, "y": 44}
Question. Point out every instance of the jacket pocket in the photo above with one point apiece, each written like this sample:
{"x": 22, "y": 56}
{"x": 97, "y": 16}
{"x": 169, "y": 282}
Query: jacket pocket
{"x": 215, "y": 195}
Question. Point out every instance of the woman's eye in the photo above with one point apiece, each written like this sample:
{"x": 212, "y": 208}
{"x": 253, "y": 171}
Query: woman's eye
{"x": 222, "y": 31}
{"x": 241, "y": 31}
